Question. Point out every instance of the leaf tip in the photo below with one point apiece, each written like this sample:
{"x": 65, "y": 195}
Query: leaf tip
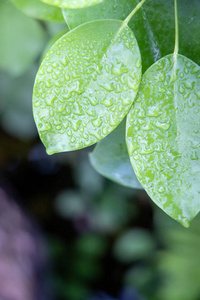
{"x": 185, "y": 223}
{"x": 49, "y": 152}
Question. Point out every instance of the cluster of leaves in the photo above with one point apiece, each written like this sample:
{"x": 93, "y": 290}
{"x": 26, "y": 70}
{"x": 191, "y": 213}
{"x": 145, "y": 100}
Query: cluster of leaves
{"x": 91, "y": 79}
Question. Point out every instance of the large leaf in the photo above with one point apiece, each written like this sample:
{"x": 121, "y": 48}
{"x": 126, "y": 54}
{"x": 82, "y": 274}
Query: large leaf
{"x": 110, "y": 158}
{"x": 21, "y": 39}
{"x": 163, "y": 136}
{"x": 37, "y": 9}
{"x": 72, "y": 3}
{"x": 86, "y": 85}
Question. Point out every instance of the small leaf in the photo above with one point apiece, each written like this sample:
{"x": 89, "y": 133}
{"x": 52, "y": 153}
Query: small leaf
{"x": 110, "y": 158}
{"x": 21, "y": 39}
{"x": 72, "y": 3}
{"x": 163, "y": 136}
{"x": 86, "y": 85}
{"x": 38, "y": 10}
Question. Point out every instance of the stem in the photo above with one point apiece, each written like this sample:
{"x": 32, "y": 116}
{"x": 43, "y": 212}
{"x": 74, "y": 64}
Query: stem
{"x": 176, "y": 48}
{"x": 126, "y": 21}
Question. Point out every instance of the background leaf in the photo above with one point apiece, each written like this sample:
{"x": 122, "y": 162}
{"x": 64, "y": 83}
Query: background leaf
{"x": 21, "y": 39}
{"x": 119, "y": 9}
{"x": 133, "y": 245}
{"x": 38, "y": 10}
{"x": 153, "y": 25}
{"x": 163, "y": 136}
{"x": 72, "y": 3}
{"x": 178, "y": 262}
{"x": 16, "y": 113}
{"x": 161, "y": 19}
{"x": 110, "y": 158}
{"x": 86, "y": 85}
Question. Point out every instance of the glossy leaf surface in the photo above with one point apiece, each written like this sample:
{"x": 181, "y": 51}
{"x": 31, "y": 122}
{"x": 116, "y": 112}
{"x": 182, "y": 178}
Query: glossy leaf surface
{"x": 86, "y": 85}
{"x": 38, "y": 10}
{"x": 72, "y": 3}
{"x": 162, "y": 26}
{"x": 21, "y": 39}
{"x": 110, "y": 158}
{"x": 163, "y": 136}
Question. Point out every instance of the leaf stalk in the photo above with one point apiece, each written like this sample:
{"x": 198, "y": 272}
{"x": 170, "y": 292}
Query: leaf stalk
{"x": 176, "y": 48}
{"x": 127, "y": 20}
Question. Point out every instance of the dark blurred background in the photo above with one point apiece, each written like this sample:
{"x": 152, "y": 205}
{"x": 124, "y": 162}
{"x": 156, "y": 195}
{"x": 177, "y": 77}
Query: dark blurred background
{"x": 65, "y": 231}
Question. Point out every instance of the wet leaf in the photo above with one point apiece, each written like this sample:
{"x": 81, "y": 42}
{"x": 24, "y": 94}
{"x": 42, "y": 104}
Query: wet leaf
{"x": 38, "y": 10}
{"x": 72, "y": 3}
{"x": 21, "y": 39}
{"x": 163, "y": 136}
{"x": 110, "y": 158}
{"x": 86, "y": 85}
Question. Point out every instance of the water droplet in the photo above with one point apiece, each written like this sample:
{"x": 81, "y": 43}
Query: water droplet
{"x": 38, "y": 103}
{"x": 97, "y": 122}
{"x": 164, "y": 126}
{"x": 161, "y": 189}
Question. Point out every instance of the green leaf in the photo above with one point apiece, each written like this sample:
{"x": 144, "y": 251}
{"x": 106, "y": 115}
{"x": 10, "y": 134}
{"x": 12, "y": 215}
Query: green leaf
{"x": 21, "y": 39}
{"x": 72, "y": 3}
{"x": 86, "y": 85}
{"x": 163, "y": 136}
{"x": 38, "y": 10}
{"x": 110, "y": 158}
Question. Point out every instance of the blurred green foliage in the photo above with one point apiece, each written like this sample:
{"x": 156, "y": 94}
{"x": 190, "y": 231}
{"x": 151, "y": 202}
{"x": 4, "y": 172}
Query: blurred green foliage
{"x": 102, "y": 237}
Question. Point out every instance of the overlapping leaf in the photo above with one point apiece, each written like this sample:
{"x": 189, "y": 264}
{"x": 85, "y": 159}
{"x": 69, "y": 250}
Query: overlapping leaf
{"x": 110, "y": 158}
{"x": 86, "y": 85}
{"x": 72, "y": 3}
{"x": 163, "y": 136}
{"x": 38, "y": 10}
